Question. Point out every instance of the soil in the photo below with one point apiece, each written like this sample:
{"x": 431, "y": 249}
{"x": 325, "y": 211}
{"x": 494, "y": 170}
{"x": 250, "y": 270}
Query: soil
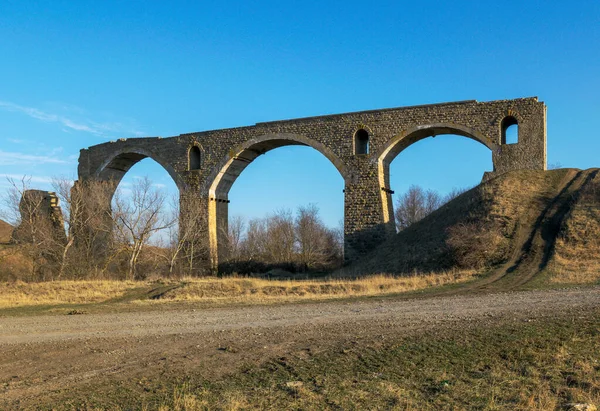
{"x": 43, "y": 358}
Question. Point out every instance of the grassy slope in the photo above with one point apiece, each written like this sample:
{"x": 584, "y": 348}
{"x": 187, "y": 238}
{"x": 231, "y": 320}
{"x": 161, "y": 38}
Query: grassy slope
{"x": 522, "y": 219}
{"x": 576, "y": 257}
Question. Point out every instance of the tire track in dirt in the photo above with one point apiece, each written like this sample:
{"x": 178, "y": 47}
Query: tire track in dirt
{"x": 534, "y": 240}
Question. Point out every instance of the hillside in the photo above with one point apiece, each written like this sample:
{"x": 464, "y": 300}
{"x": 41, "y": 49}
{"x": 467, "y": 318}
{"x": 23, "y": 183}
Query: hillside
{"x": 519, "y": 223}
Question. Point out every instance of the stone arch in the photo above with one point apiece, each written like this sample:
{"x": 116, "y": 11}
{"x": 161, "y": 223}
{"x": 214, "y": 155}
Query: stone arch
{"x": 230, "y": 168}
{"x": 120, "y": 161}
{"x": 403, "y": 140}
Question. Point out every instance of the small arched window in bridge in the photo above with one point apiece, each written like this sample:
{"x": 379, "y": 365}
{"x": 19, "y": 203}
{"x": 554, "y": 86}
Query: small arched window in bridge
{"x": 194, "y": 158}
{"x": 361, "y": 142}
{"x": 510, "y": 130}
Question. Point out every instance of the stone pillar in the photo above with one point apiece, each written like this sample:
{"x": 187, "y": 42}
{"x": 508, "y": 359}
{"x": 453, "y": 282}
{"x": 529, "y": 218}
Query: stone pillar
{"x": 364, "y": 224}
{"x": 91, "y": 218}
{"x": 218, "y": 215}
{"x": 194, "y": 214}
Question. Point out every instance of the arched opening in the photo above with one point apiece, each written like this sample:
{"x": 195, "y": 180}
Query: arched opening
{"x": 282, "y": 174}
{"x": 436, "y": 158}
{"x": 194, "y": 158}
{"x": 116, "y": 166}
{"x": 510, "y": 130}
{"x": 144, "y": 214}
{"x": 361, "y": 142}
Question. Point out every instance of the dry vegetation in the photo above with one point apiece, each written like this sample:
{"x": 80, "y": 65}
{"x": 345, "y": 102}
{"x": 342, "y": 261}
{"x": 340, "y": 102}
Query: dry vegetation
{"x": 577, "y": 253}
{"x": 15, "y": 294}
{"x": 261, "y": 290}
{"x": 214, "y": 290}
{"x": 474, "y": 231}
{"x": 479, "y": 230}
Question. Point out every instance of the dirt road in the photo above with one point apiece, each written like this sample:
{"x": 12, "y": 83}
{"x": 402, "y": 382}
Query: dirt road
{"x": 45, "y": 356}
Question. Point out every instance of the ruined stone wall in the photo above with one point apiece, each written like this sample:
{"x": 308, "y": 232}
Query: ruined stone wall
{"x": 368, "y": 211}
{"x": 41, "y": 219}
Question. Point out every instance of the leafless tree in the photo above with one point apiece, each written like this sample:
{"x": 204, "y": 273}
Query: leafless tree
{"x": 138, "y": 218}
{"x": 86, "y": 214}
{"x": 314, "y": 239}
{"x": 417, "y": 203}
{"x": 89, "y": 225}
{"x": 414, "y": 205}
{"x": 254, "y": 245}
{"x": 299, "y": 242}
{"x": 237, "y": 225}
{"x": 280, "y": 240}
{"x": 452, "y": 194}
{"x": 187, "y": 237}
{"x": 554, "y": 166}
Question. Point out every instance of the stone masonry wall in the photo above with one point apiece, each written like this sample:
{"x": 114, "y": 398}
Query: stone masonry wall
{"x": 368, "y": 212}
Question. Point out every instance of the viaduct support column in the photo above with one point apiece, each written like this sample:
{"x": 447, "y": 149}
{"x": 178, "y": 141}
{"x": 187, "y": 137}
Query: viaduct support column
{"x": 218, "y": 224}
{"x": 364, "y": 223}
{"x": 92, "y": 219}
{"x": 194, "y": 232}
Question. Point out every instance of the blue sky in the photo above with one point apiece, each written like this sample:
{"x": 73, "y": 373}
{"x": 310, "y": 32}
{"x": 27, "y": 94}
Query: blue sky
{"x": 75, "y": 74}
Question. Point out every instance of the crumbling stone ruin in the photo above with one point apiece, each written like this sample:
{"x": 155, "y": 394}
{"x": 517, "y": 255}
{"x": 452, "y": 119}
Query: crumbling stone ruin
{"x": 41, "y": 218}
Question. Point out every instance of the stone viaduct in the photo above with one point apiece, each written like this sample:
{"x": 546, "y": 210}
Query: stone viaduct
{"x": 361, "y": 145}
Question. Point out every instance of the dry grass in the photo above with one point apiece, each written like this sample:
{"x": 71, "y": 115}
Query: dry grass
{"x": 575, "y": 271}
{"x": 576, "y": 259}
{"x": 477, "y": 229}
{"x": 14, "y": 294}
{"x": 263, "y": 290}
{"x": 215, "y": 290}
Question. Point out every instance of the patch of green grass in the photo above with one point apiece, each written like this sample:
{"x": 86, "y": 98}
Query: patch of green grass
{"x": 543, "y": 364}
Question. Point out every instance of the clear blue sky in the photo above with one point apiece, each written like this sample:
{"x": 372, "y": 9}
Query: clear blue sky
{"x": 74, "y": 74}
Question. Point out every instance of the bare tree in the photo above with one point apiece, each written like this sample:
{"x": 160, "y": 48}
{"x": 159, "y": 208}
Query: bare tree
{"x": 254, "y": 245}
{"x": 338, "y": 235}
{"x": 414, "y": 205}
{"x": 138, "y": 218}
{"x": 452, "y": 194}
{"x": 237, "y": 225}
{"x": 280, "y": 240}
{"x": 300, "y": 242}
{"x": 433, "y": 201}
{"x": 417, "y": 203}
{"x": 188, "y": 235}
{"x": 554, "y": 166}
{"x": 89, "y": 222}
{"x": 71, "y": 205}
{"x": 314, "y": 239}
{"x": 86, "y": 214}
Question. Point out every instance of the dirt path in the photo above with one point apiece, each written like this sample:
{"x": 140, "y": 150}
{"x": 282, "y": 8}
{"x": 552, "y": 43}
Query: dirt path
{"x": 45, "y": 356}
